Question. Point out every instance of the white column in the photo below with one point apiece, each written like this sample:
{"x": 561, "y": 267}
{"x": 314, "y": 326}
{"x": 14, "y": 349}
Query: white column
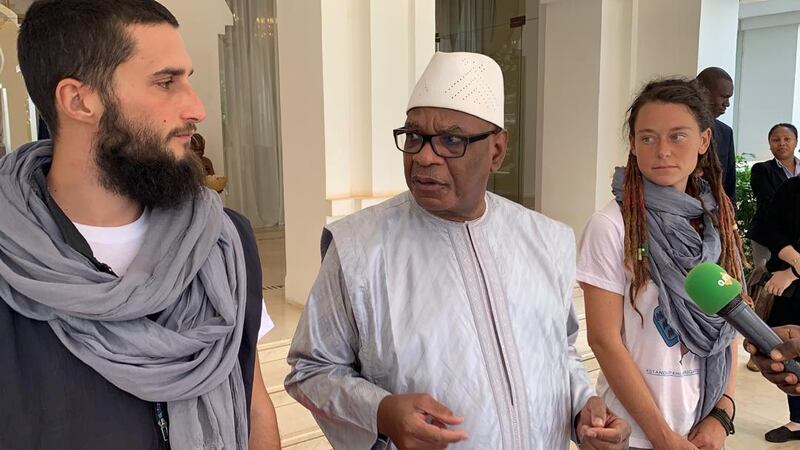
{"x": 373, "y": 53}
{"x": 402, "y": 43}
{"x": 422, "y": 33}
{"x": 347, "y": 70}
{"x": 346, "y": 75}
{"x": 391, "y": 74}
{"x": 719, "y": 28}
{"x": 302, "y": 108}
{"x": 616, "y": 93}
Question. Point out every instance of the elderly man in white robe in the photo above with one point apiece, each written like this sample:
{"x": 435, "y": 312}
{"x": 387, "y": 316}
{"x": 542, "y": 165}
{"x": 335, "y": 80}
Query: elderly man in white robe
{"x": 443, "y": 317}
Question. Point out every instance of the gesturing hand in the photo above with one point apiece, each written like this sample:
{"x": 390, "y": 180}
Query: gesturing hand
{"x": 417, "y": 421}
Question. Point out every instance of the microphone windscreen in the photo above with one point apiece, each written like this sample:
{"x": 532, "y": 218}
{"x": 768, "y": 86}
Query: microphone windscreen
{"x": 711, "y": 287}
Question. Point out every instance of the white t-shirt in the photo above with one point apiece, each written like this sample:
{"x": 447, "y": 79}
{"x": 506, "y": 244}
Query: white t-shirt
{"x": 118, "y": 246}
{"x": 671, "y": 374}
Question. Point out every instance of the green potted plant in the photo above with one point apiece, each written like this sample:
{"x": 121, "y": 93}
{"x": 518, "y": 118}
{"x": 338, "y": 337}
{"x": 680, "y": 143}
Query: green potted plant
{"x": 745, "y": 202}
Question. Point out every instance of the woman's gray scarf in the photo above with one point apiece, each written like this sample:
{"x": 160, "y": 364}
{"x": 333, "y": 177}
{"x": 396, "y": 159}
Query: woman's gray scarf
{"x": 189, "y": 271}
{"x": 673, "y": 248}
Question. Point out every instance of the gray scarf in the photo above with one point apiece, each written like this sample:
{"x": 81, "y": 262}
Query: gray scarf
{"x": 674, "y": 247}
{"x": 190, "y": 270}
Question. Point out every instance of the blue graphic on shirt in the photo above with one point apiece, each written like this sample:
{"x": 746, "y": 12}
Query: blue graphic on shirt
{"x": 667, "y": 333}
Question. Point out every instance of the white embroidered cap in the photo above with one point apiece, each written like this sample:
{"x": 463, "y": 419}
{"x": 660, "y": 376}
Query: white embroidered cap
{"x": 466, "y": 82}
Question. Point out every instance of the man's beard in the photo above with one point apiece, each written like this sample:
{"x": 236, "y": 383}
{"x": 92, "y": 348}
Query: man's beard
{"x": 135, "y": 162}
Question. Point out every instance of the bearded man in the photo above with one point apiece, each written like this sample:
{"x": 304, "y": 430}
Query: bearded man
{"x": 130, "y": 300}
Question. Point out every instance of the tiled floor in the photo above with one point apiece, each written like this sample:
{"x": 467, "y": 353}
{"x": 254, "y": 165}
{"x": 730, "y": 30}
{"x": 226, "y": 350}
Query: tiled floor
{"x": 273, "y": 256}
{"x": 272, "y": 250}
{"x": 760, "y": 405}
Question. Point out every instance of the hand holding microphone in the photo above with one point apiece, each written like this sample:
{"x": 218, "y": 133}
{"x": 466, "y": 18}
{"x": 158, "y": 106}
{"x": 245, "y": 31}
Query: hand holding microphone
{"x": 772, "y": 366}
{"x": 717, "y": 293}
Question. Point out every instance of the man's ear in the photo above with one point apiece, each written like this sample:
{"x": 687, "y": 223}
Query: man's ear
{"x": 78, "y": 102}
{"x": 499, "y": 149}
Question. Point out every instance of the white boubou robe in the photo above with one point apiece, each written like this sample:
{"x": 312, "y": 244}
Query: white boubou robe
{"x": 479, "y": 315}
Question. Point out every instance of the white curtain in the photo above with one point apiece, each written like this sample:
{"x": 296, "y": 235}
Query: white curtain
{"x": 465, "y": 25}
{"x": 251, "y": 127}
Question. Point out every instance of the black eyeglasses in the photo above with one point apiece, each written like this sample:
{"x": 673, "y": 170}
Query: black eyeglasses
{"x": 443, "y": 145}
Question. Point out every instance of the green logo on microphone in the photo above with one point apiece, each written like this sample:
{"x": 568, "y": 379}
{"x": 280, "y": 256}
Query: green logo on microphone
{"x": 725, "y": 280}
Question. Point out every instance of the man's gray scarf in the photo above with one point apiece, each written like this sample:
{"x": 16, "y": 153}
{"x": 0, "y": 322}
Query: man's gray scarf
{"x": 674, "y": 247}
{"x": 189, "y": 272}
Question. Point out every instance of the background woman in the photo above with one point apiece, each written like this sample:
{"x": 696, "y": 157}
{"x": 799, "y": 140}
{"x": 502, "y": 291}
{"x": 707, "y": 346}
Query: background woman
{"x": 765, "y": 179}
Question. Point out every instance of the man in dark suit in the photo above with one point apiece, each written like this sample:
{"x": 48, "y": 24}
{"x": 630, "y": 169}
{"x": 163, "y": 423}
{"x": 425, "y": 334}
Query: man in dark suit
{"x": 720, "y": 88}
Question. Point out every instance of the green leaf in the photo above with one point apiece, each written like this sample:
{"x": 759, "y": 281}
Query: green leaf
{"x": 745, "y": 201}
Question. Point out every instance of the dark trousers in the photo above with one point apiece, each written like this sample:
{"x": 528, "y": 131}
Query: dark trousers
{"x": 794, "y": 409}
{"x": 786, "y": 311}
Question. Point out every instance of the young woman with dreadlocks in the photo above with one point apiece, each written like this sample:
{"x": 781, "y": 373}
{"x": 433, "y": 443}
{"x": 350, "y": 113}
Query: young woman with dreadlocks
{"x": 667, "y": 367}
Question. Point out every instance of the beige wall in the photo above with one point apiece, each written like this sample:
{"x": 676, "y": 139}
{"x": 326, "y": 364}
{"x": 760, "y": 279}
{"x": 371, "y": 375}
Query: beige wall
{"x": 571, "y": 88}
{"x": 202, "y": 21}
{"x": 666, "y": 37}
{"x": 12, "y": 81}
{"x": 20, "y": 6}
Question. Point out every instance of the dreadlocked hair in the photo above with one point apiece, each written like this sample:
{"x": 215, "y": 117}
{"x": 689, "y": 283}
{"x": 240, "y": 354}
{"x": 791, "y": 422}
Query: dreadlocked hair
{"x": 694, "y": 97}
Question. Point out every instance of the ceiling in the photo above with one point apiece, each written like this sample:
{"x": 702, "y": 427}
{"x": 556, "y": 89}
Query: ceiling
{"x": 755, "y": 8}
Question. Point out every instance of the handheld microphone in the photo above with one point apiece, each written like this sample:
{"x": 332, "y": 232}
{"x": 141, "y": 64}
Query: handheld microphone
{"x": 718, "y": 293}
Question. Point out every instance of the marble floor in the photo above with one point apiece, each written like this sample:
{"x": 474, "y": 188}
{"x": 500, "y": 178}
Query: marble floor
{"x": 760, "y": 405}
